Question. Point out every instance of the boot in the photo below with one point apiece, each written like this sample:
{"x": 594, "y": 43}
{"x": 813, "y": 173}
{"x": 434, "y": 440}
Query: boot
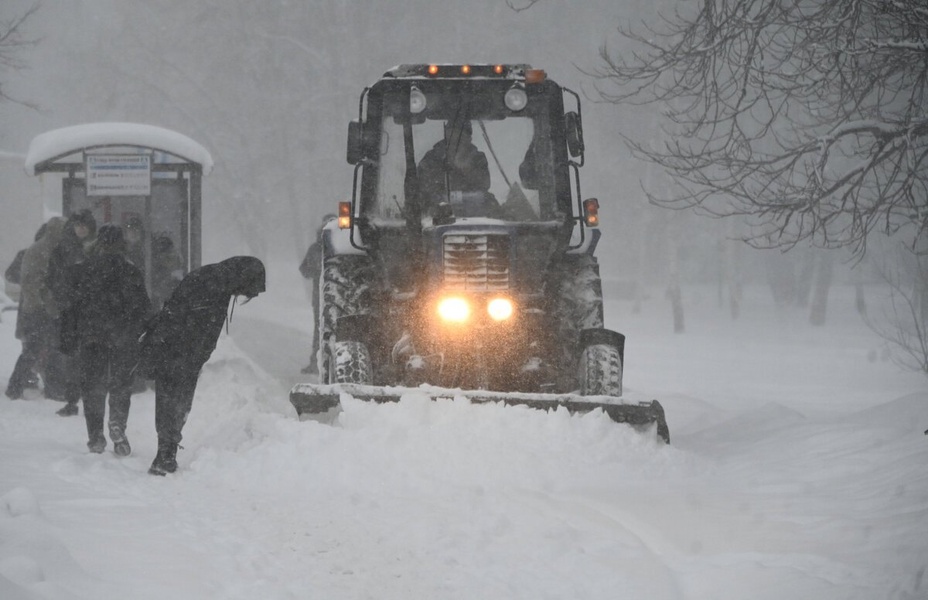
{"x": 120, "y": 441}
{"x": 68, "y": 410}
{"x": 97, "y": 444}
{"x": 165, "y": 461}
{"x": 122, "y": 448}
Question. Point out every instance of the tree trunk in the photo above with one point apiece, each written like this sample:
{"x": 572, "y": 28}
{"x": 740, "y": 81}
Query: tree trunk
{"x": 823, "y": 279}
{"x": 674, "y": 294}
{"x": 732, "y": 270}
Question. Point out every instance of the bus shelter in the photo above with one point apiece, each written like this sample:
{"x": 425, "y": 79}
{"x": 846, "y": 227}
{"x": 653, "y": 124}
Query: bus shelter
{"x": 132, "y": 175}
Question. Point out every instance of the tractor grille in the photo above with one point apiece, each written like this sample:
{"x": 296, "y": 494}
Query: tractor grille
{"x": 476, "y": 262}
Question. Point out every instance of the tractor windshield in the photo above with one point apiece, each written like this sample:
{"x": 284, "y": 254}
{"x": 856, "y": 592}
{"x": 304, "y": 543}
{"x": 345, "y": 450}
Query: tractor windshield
{"x": 464, "y": 155}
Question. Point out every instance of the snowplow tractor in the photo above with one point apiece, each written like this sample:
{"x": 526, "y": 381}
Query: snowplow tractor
{"x": 464, "y": 264}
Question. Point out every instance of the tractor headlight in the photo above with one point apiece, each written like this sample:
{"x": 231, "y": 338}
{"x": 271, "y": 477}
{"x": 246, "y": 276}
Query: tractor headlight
{"x": 417, "y": 101}
{"x": 515, "y": 99}
{"x": 500, "y": 309}
{"x": 454, "y": 309}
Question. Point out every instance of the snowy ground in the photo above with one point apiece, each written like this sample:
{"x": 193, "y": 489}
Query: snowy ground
{"x": 797, "y": 470}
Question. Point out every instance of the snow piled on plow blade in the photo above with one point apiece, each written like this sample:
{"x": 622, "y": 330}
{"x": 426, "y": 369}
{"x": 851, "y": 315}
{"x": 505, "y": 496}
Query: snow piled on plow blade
{"x": 312, "y": 400}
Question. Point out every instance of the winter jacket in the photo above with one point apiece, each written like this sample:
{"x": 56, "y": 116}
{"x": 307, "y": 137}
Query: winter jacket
{"x": 312, "y": 262}
{"x": 183, "y": 335}
{"x": 467, "y": 171}
{"x": 109, "y": 304}
{"x": 14, "y": 272}
{"x": 35, "y": 295}
{"x": 69, "y": 252}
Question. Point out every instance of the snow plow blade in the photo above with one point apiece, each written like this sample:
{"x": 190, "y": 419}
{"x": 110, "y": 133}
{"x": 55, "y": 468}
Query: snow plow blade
{"x": 310, "y": 400}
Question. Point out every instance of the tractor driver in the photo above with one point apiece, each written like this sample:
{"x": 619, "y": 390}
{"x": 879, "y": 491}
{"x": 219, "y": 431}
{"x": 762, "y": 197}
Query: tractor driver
{"x": 454, "y": 169}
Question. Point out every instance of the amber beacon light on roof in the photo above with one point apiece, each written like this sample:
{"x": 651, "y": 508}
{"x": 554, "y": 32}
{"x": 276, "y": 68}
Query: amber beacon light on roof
{"x": 520, "y": 72}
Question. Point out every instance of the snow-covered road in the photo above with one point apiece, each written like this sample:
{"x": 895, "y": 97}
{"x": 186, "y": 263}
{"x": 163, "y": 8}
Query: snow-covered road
{"x": 796, "y": 471}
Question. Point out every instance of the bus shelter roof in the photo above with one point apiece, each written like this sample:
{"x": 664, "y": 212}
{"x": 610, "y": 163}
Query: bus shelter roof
{"x": 52, "y": 145}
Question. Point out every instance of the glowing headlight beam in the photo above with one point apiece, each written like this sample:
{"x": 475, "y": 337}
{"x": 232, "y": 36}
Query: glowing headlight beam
{"x": 500, "y": 309}
{"x": 454, "y": 310}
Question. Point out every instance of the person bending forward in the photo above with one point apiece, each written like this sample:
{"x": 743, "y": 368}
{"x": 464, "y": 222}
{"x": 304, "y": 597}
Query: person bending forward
{"x": 181, "y": 338}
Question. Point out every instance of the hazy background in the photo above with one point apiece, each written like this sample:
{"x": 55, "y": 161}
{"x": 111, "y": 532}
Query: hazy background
{"x": 269, "y": 87}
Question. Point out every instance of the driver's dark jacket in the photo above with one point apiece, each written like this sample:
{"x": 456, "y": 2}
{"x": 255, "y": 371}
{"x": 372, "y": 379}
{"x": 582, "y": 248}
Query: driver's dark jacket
{"x": 467, "y": 170}
{"x": 183, "y": 335}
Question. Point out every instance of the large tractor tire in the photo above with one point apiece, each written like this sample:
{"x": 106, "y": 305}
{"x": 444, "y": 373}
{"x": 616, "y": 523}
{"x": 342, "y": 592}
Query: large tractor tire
{"x": 352, "y": 363}
{"x": 600, "y": 371}
{"x": 578, "y": 306}
{"x": 346, "y": 290}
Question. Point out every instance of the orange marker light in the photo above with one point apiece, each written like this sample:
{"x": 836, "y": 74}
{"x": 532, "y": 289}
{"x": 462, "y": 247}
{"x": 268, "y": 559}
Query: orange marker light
{"x": 591, "y": 212}
{"x": 535, "y": 76}
{"x": 433, "y": 69}
{"x": 465, "y": 69}
{"x": 498, "y": 69}
{"x": 344, "y": 215}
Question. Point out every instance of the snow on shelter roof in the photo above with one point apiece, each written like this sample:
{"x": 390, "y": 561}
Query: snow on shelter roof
{"x": 59, "y": 143}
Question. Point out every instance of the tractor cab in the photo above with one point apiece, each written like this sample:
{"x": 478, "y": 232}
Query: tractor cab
{"x": 466, "y": 149}
{"x": 434, "y": 144}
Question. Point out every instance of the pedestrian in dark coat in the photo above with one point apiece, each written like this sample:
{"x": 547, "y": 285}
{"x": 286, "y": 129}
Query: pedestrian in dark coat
{"x": 63, "y": 373}
{"x": 181, "y": 338}
{"x": 14, "y": 274}
{"x": 110, "y": 308}
{"x": 38, "y": 312}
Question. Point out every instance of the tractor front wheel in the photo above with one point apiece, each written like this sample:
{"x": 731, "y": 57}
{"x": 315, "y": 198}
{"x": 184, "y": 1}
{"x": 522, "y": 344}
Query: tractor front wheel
{"x": 352, "y": 362}
{"x": 600, "y": 371}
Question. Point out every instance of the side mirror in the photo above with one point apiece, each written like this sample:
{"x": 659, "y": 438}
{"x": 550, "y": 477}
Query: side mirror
{"x": 574, "y": 134}
{"x": 355, "y": 147}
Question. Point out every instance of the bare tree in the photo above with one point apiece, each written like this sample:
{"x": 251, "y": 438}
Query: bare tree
{"x": 13, "y": 41}
{"x": 809, "y": 118}
{"x": 904, "y": 322}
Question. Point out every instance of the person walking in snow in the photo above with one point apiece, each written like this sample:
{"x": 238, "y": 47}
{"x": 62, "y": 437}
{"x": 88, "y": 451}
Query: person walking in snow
{"x": 36, "y": 323}
{"x": 181, "y": 338}
{"x": 64, "y": 376}
{"x": 110, "y": 308}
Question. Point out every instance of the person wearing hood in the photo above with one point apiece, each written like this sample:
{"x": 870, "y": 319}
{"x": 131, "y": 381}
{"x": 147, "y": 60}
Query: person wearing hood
{"x": 76, "y": 240}
{"x": 36, "y": 323}
{"x": 110, "y": 307}
{"x": 181, "y": 338}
